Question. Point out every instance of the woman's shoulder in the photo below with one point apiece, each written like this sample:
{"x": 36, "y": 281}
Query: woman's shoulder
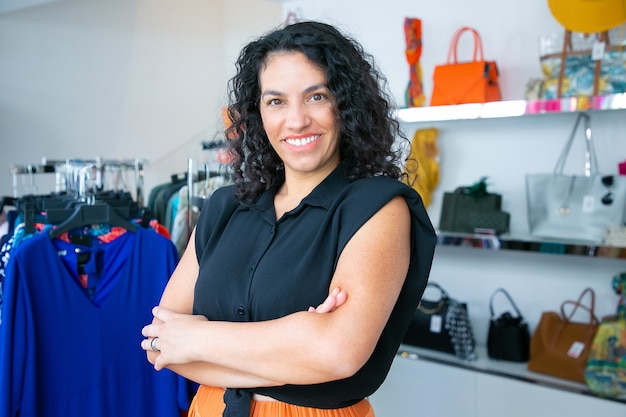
{"x": 225, "y": 191}
{"x": 379, "y": 181}
{"x": 382, "y": 189}
{"x": 222, "y": 196}
{"x": 372, "y": 193}
{"x": 222, "y": 200}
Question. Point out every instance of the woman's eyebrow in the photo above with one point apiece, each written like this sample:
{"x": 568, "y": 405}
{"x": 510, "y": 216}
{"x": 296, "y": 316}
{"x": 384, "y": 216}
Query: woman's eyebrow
{"x": 315, "y": 87}
{"x": 310, "y": 89}
{"x": 271, "y": 93}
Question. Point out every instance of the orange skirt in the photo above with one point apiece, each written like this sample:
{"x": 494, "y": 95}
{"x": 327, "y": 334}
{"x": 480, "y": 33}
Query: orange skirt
{"x": 208, "y": 402}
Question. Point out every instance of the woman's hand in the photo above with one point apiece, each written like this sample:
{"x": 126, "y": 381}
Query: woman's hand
{"x": 169, "y": 338}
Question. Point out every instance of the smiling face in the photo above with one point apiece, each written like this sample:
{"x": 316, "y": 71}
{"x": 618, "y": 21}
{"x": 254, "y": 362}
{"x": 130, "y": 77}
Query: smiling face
{"x": 298, "y": 113}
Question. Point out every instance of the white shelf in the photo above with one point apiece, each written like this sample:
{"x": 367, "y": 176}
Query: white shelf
{"x": 530, "y": 244}
{"x": 514, "y": 370}
{"x": 512, "y": 108}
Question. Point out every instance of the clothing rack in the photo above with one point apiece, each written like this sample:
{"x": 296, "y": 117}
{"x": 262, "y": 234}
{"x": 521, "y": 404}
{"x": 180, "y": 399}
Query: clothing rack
{"x": 193, "y": 175}
{"x": 82, "y": 177}
{"x": 201, "y": 179}
{"x": 101, "y": 247}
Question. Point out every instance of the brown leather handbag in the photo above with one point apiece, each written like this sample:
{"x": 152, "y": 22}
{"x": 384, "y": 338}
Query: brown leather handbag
{"x": 559, "y": 346}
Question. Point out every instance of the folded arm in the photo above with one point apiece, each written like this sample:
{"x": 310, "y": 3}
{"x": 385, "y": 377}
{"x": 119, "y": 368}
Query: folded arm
{"x": 301, "y": 348}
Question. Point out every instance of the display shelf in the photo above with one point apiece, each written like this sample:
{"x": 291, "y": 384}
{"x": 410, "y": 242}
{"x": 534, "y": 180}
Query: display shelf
{"x": 512, "y": 108}
{"x": 518, "y": 108}
{"x": 527, "y": 244}
{"x": 515, "y": 370}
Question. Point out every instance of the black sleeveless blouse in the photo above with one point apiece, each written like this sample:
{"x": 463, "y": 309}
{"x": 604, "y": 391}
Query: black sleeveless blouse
{"x": 255, "y": 268}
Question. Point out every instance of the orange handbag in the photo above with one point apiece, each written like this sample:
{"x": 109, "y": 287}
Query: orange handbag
{"x": 457, "y": 82}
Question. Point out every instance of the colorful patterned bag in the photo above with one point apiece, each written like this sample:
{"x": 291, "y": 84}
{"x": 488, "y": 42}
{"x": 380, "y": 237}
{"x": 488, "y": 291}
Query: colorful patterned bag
{"x": 584, "y": 73}
{"x": 605, "y": 373}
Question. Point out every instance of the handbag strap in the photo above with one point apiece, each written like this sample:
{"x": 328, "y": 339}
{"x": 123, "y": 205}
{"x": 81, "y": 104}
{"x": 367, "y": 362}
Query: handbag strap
{"x": 604, "y": 37}
{"x": 442, "y": 299}
{"x": 578, "y": 303}
{"x": 567, "y": 46}
{"x": 478, "y": 45}
{"x": 591, "y": 163}
{"x": 505, "y": 292}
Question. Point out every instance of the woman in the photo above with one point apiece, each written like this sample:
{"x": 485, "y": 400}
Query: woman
{"x": 317, "y": 217}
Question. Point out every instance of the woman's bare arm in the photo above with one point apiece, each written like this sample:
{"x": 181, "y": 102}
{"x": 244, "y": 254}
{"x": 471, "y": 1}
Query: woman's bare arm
{"x": 178, "y": 298}
{"x": 301, "y": 348}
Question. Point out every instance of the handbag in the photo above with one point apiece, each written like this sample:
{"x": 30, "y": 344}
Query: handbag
{"x": 442, "y": 325}
{"x": 475, "y": 81}
{"x": 584, "y": 73}
{"x": 605, "y": 373}
{"x": 559, "y": 346}
{"x": 508, "y": 337}
{"x": 473, "y": 210}
{"x": 577, "y": 207}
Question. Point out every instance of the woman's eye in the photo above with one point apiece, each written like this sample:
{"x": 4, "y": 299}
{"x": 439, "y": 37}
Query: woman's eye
{"x": 274, "y": 102}
{"x": 317, "y": 97}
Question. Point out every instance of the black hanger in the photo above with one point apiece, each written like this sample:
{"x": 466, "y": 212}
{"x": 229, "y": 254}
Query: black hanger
{"x": 6, "y": 201}
{"x": 87, "y": 214}
{"x": 27, "y": 209}
{"x": 28, "y": 212}
{"x": 177, "y": 178}
{"x": 60, "y": 213}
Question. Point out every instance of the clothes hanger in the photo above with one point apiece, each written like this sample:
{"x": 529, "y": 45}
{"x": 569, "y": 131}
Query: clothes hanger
{"x": 88, "y": 214}
{"x": 27, "y": 210}
{"x": 6, "y": 201}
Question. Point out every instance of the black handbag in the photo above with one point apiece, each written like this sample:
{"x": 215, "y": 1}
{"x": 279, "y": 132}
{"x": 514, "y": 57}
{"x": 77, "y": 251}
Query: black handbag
{"x": 508, "y": 338}
{"x": 442, "y": 325}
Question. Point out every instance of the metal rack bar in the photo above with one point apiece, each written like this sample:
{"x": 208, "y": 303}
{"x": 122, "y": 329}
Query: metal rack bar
{"x": 60, "y": 167}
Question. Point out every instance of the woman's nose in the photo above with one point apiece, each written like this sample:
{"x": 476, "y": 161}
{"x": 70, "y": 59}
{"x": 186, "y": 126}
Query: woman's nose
{"x": 297, "y": 116}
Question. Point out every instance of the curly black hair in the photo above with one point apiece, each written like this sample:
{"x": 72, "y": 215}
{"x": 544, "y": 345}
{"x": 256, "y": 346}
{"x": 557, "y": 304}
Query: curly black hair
{"x": 368, "y": 130}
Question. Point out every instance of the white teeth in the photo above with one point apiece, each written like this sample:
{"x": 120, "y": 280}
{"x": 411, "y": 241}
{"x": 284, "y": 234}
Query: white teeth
{"x": 301, "y": 142}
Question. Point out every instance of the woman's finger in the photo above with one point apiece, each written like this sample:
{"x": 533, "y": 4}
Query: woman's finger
{"x": 148, "y": 331}
{"x": 161, "y": 313}
{"x": 335, "y": 299}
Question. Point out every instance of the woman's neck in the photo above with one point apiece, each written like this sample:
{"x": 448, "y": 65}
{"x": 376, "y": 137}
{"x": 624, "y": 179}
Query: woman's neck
{"x": 295, "y": 188}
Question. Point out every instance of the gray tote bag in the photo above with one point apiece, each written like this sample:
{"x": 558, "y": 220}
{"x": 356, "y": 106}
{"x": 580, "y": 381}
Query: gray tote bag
{"x": 575, "y": 207}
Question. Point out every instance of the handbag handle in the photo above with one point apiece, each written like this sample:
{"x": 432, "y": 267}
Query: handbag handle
{"x": 591, "y": 163}
{"x": 442, "y": 298}
{"x": 578, "y": 303}
{"x": 505, "y": 292}
{"x": 478, "y": 45}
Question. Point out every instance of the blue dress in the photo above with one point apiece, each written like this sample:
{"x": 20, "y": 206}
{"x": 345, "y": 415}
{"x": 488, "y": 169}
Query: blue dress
{"x": 71, "y": 349}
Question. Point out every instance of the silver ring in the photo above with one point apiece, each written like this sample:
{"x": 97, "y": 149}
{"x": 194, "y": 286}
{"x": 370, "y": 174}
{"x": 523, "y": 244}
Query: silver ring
{"x": 153, "y": 344}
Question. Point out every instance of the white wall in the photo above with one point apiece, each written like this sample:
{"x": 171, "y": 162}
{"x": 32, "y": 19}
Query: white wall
{"x": 119, "y": 79}
{"x": 502, "y": 149}
{"x": 510, "y": 33}
{"x": 7, "y": 6}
